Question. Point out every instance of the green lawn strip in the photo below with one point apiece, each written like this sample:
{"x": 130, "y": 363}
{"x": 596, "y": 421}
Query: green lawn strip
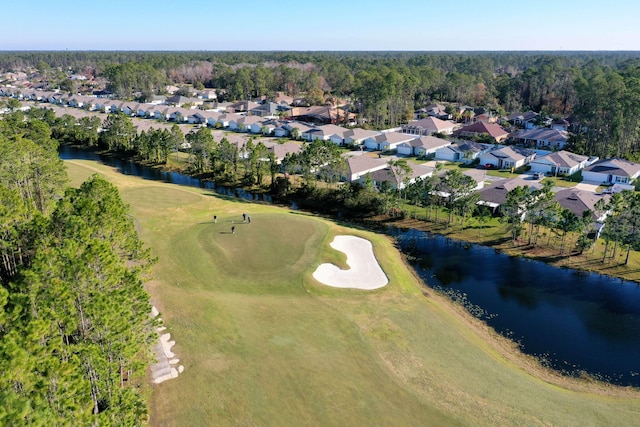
{"x": 264, "y": 344}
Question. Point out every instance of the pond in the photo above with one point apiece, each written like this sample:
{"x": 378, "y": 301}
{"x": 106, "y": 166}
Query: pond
{"x": 572, "y": 321}
{"x": 128, "y": 167}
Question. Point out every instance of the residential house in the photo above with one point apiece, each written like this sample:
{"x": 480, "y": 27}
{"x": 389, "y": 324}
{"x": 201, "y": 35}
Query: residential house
{"x": 580, "y": 201}
{"x": 542, "y": 138}
{"x": 244, "y": 123}
{"x": 281, "y": 150}
{"x": 157, "y": 99}
{"x": 299, "y": 129}
{"x": 75, "y": 101}
{"x": 199, "y": 117}
{"x": 161, "y": 113}
{"x": 560, "y": 124}
{"x": 463, "y": 151}
{"x": 225, "y": 120}
{"x": 526, "y": 120}
{"x": 130, "y": 108}
{"x": 507, "y": 157}
{"x": 242, "y": 106}
{"x": 208, "y": 94}
{"x": 611, "y": 171}
{"x": 329, "y": 132}
{"x": 356, "y": 136}
{"x": 179, "y": 115}
{"x": 266, "y": 110}
{"x": 392, "y": 179}
{"x": 179, "y": 101}
{"x": 422, "y": 146}
{"x": 495, "y": 194}
{"x": 360, "y": 165}
{"x": 434, "y": 110}
{"x": 321, "y": 114}
{"x": 387, "y": 141}
{"x": 282, "y": 99}
{"x": 428, "y": 126}
{"x": 494, "y": 131}
{"x": 559, "y": 163}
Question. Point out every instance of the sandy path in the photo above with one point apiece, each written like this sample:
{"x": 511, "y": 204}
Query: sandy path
{"x": 364, "y": 271}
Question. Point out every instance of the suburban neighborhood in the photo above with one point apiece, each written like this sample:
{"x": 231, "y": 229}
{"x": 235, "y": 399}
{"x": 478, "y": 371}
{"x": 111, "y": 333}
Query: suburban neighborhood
{"x": 524, "y": 143}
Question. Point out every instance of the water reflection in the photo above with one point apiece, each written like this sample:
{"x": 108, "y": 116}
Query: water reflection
{"x": 130, "y": 168}
{"x": 577, "y": 320}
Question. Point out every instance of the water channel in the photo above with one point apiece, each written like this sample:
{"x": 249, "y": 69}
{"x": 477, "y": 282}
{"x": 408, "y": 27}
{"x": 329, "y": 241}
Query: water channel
{"x": 573, "y": 321}
{"x": 128, "y": 167}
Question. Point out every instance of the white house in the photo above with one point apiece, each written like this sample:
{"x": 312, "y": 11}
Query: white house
{"x": 387, "y": 141}
{"x": 225, "y": 119}
{"x": 465, "y": 151}
{"x": 422, "y": 146}
{"x": 611, "y": 171}
{"x": 329, "y": 132}
{"x": 356, "y": 136}
{"x": 527, "y": 119}
{"x": 428, "y": 126}
{"x": 130, "y": 108}
{"x": 507, "y": 157}
{"x": 495, "y": 194}
{"x": 394, "y": 181}
{"x": 542, "y": 138}
{"x": 559, "y": 163}
{"x": 358, "y": 166}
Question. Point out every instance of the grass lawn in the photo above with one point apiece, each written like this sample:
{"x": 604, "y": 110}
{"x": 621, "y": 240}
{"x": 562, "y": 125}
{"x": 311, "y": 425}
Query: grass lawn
{"x": 264, "y": 344}
{"x": 560, "y": 182}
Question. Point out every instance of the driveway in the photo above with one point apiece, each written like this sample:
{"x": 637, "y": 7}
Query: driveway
{"x": 587, "y": 186}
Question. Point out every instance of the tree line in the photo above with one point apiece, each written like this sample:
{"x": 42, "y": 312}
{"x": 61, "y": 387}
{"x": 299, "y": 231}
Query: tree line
{"x": 597, "y": 90}
{"x": 75, "y": 326}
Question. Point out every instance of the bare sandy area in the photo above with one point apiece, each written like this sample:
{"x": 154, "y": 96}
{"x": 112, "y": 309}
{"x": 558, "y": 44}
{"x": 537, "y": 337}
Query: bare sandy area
{"x": 166, "y": 366}
{"x": 364, "y": 270}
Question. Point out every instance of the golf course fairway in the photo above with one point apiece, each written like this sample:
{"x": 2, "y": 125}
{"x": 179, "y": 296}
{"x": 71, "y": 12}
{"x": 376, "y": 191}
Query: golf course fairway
{"x": 264, "y": 344}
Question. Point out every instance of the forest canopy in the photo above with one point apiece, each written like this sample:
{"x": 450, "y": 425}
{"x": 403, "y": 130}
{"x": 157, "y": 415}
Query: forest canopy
{"x": 598, "y": 91}
{"x": 75, "y": 325}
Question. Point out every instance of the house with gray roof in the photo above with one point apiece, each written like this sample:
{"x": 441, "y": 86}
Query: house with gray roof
{"x": 463, "y": 151}
{"x": 559, "y": 163}
{"x": 360, "y": 165}
{"x": 327, "y": 132}
{"x": 267, "y": 110}
{"x": 542, "y": 138}
{"x": 507, "y": 157}
{"x": 579, "y": 201}
{"x": 495, "y": 194}
{"x": 422, "y": 146}
{"x": 387, "y": 141}
{"x": 281, "y": 150}
{"x": 611, "y": 171}
{"x": 428, "y": 126}
{"x": 392, "y": 179}
{"x": 526, "y": 119}
{"x": 356, "y": 136}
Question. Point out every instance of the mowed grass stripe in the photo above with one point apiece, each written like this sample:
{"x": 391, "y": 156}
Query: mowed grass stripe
{"x": 282, "y": 349}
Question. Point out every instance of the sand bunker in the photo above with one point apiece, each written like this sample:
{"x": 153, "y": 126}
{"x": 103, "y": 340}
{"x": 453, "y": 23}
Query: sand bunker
{"x": 165, "y": 367}
{"x": 364, "y": 271}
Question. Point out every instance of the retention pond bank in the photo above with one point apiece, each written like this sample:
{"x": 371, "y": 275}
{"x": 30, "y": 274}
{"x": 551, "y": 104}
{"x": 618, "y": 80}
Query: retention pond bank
{"x": 573, "y": 321}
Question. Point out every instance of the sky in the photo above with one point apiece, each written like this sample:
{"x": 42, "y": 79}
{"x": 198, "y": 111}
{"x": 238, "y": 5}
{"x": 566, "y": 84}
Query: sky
{"x": 374, "y": 25}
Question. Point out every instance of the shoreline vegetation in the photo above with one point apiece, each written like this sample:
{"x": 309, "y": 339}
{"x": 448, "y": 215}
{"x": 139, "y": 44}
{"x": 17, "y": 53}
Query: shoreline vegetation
{"x": 378, "y": 315}
{"x": 483, "y": 231}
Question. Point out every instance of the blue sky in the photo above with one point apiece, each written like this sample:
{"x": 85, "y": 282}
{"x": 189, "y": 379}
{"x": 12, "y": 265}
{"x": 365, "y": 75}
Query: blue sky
{"x": 320, "y": 25}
